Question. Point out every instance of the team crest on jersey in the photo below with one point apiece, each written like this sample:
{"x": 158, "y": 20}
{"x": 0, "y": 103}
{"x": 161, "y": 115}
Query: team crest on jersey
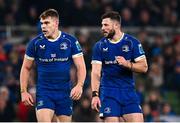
{"x": 125, "y": 48}
{"x": 42, "y": 46}
{"x": 63, "y": 46}
{"x": 107, "y": 110}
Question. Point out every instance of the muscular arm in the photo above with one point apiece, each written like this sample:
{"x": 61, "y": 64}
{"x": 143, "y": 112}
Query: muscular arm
{"x": 95, "y": 76}
{"x": 76, "y": 92}
{"x": 24, "y": 75}
{"x": 139, "y": 66}
{"x": 81, "y": 69}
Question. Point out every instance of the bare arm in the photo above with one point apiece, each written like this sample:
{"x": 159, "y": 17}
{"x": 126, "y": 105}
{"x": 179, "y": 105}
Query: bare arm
{"x": 76, "y": 92}
{"x": 81, "y": 69}
{"x": 95, "y": 83}
{"x": 139, "y": 66}
{"x": 95, "y": 76}
{"x": 24, "y": 75}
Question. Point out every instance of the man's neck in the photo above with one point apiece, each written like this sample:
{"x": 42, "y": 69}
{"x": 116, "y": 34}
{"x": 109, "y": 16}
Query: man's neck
{"x": 117, "y": 36}
{"x": 55, "y": 35}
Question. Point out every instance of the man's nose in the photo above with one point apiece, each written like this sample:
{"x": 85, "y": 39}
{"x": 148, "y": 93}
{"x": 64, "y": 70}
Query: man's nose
{"x": 43, "y": 26}
{"x": 102, "y": 28}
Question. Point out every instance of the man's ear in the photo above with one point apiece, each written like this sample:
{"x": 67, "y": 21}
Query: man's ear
{"x": 117, "y": 25}
{"x": 114, "y": 25}
{"x": 57, "y": 21}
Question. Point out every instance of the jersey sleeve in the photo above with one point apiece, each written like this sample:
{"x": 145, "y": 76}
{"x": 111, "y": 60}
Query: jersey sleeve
{"x": 76, "y": 49}
{"x": 96, "y": 55}
{"x": 138, "y": 52}
{"x": 30, "y": 51}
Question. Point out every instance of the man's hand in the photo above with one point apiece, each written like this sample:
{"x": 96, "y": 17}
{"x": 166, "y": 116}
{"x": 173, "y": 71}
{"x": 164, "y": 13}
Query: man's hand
{"x": 122, "y": 61}
{"x": 96, "y": 103}
{"x": 27, "y": 99}
{"x": 76, "y": 92}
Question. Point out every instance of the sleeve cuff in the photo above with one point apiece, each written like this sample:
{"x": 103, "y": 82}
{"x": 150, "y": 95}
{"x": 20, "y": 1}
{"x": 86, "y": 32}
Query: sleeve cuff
{"x": 139, "y": 58}
{"x": 77, "y": 55}
{"x": 96, "y": 62}
{"x": 28, "y": 57}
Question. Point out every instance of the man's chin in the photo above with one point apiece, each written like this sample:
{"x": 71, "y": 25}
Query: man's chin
{"x": 105, "y": 35}
{"x": 108, "y": 36}
{"x": 46, "y": 35}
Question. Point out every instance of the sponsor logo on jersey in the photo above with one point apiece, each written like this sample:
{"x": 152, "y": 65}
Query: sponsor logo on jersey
{"x": 63, "y": 46}
{"x": 125, "y": 48}
{"x": 42, "y": 46}
{"x": 54, "y": 59}
{"x": 111, "y": 62}
{"x": 105, "y": 49}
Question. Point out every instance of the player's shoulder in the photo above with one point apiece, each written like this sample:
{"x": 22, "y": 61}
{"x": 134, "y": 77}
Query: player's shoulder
{"x": 68, "y": 36}
{"x": 101, "y": 41}
{"x": 38, "y": 38}
{"x": 130, "y": 38}
{"x": 100, "y": 44}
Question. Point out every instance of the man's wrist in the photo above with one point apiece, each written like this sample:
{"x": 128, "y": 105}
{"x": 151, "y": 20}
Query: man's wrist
{"x": 95, "y": 94}
{"x": 130, "y": 65}
{"x": 80, "y": 84}
{"x": 23, "y": 90}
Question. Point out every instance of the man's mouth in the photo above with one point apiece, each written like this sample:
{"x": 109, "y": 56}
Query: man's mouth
{"x": 44, "y": 31}
{"x": 104, "y": 32}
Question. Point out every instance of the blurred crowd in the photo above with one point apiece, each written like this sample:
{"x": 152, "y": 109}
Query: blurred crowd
{"x": 158, "y": 90}
{"x": 88, "y": 12}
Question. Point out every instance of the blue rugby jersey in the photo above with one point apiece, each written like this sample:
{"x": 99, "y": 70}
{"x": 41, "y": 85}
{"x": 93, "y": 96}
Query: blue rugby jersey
{"x": 53, "y": 60}
{"x": 113, "y": 74}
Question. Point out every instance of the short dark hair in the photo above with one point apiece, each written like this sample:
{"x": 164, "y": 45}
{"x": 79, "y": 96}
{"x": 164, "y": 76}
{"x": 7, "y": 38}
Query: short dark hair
{"x": 112, "y": 15}
{"x": 49, "y": 13}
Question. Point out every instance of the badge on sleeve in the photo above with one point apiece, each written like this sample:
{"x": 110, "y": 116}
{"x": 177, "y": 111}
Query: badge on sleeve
{"x": 78, "y": 46}
{"x": 141, "y": 51}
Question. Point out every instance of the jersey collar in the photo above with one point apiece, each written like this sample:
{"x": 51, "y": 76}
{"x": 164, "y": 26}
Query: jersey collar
{"x": 53, "y": 40}
{"x": 115, "y": 42}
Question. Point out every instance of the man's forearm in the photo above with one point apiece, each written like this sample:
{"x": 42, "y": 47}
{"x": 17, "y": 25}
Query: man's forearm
{"x": 95, "y": 82}
{"x": 95, "y": 85}
{"x": 24, "y": 75}
{"x": 81, "y": 75}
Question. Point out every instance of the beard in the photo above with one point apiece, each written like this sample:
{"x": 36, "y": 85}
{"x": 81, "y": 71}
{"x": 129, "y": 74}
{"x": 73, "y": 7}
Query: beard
{"x": 110, "y": 34}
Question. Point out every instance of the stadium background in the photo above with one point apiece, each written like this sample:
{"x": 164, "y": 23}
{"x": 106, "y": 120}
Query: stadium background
{"x": 154, "y": 22}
